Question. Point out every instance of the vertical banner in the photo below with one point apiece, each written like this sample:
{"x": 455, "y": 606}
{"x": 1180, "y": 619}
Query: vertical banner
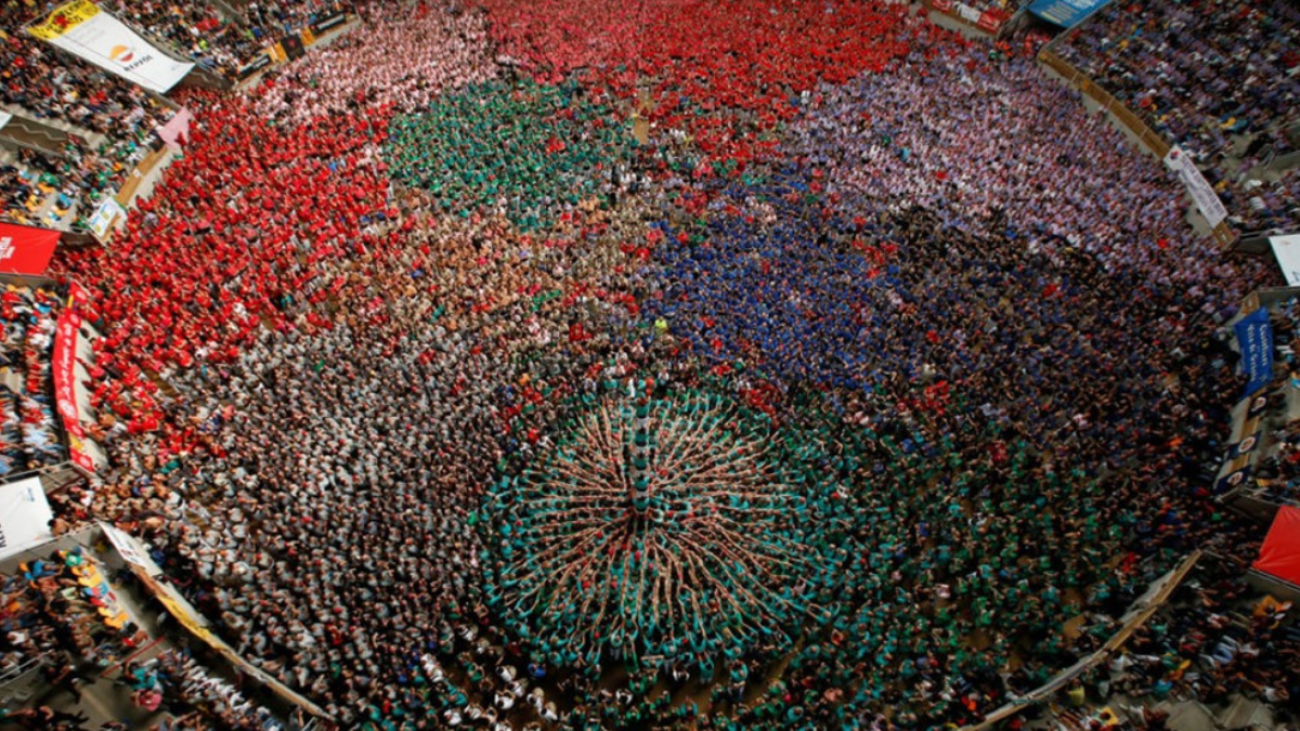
{"x": 1255, "y": 339}
{"x": 66, "y": 334}
{"x": 1207, "y": 201}
{"x": 83, "y": 29}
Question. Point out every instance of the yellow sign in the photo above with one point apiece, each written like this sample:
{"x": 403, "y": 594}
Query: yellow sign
{"x": 64, "y": 19}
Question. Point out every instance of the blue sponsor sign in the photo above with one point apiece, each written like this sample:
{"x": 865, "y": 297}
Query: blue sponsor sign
{"x": 1065, "y": 13}
{"x": 1255, "y": 339}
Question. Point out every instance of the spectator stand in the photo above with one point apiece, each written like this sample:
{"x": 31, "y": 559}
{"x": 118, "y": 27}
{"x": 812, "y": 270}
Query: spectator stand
{"x": 319, "y": 30}
{"x": 1182, "y": 671}
{"x": 1145, "y": 607}
{"x": 31, "y": 439}
{"x": 31, "y": 151}
{"x": 76, "y": 134}
{"x": 126, "y": 668}
{"x": 70, "y": 623}
{"x": 157, "y": 585}
{"x": 1218, "y": 78}
{"x": 1149, "y": 139}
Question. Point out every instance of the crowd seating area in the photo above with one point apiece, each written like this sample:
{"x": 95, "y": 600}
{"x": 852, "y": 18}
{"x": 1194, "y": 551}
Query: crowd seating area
{"x": 203, "y": 32}
{"x": 1217, "y": 645}
{"x": 56, "y": 613}
{"x": 29, "y": 435}
{"x": 927, "y": 354}
{"x": 1210, "y": 75}
{"x": 46, "y": 85}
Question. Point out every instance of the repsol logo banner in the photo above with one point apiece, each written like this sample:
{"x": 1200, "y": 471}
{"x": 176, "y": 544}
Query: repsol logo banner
{"x": 87, "y": 31}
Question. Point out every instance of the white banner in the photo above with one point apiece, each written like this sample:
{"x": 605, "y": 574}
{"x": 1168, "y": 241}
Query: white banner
{"x": 1207, "y": 201}
{"x": 129, "y": 549}
{"x": 85, "y": 30}
{"x": 4, "y": 118}
{"x": 109, "y": 213}
{"x": 1287, "y": 250}
{"x": 25, "y": 517}
{"x": 968, "y": 13}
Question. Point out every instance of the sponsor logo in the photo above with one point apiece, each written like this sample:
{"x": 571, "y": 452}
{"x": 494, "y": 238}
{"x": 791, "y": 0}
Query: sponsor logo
{"x": 6, "y": 248}
{"x": 122, "y": 54}
{"x": 126, "y": 56}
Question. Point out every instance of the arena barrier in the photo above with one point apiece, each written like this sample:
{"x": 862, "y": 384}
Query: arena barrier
{"x": 137, "y": 559}
{"x": 293, "y": 45}
{"x": 1150, "y": 139}
{"x": 1142, "y": 610}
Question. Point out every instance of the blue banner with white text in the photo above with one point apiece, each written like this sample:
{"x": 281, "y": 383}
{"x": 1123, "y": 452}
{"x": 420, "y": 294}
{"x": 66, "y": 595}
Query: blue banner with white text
{"x": 1255, "y": 339}
{"x": 1065, "y": 13}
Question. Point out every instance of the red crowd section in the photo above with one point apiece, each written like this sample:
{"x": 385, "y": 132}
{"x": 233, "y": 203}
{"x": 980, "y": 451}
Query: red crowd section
{"x": 244, "y": 219}
{"x": 727, "y": 73}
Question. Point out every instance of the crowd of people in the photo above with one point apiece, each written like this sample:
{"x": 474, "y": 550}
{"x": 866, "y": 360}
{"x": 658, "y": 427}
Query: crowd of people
{"x": 29, "y": 435}
{"x": 352, "y": 340}
{"x": 39, "y": 82}
{"x": 1201, "y": 82}
{"x": 224, "y": 36}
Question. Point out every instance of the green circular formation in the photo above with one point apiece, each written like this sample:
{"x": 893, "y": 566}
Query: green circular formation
{"x": 519, "y": 148}
{"x": 656, "y": 528}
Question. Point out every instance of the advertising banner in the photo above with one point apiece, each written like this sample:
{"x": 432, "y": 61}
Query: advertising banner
{"x": 26, "y": 249}
{"x": 128, "y": 548}
{"x": 1207, "y": 201}
{"x": 65, "y": 392}
{"x": 85, "y": 30}
{"x": 1255, "y": 339}
{"x": 1287, "y": 250}
{"x": 259, "y": 62}
{"x": 104, "y": 218}
{"x": 1065, "y": 13}
{"x": 4, "y": 118}
{"x": 25, "y": 516}
{"x": 293, "y": 47}
{"x": 967, "y": 13}
{"x": 325, "y": 24}
{"x": 990, "y": 21}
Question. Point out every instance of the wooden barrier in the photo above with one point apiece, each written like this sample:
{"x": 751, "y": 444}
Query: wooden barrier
{"x": 126, "y": 194}
{"x": 1157, "y": 145}
{"x": 1152, "y": 141}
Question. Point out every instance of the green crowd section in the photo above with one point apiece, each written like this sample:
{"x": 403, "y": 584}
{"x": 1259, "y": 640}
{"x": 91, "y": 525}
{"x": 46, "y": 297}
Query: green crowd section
{"x": 521, "y": 149}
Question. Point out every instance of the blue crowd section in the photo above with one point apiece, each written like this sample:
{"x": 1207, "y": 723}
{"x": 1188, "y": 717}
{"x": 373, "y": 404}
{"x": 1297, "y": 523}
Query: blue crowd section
{"x": 863, "y": 300}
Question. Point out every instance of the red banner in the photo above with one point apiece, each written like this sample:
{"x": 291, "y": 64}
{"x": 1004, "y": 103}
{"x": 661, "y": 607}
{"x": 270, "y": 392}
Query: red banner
{"x": 990, "y": 21}
{"x": 65, "y": 391}
{"x": 26, "y": 250}
{"x": 1280, "y": 554}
